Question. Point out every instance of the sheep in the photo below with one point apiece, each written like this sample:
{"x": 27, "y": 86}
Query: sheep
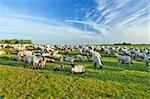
{"x": 79, "y": 51}
{"x": 123, "y": 59}
{"x": 77, "y": 69}
{"x": 69, "y": 59}
{"x": 32, "y": 59}
{"x": 81, "y": 57}
{"x": 95, "y": 53}
{"x": 36, "y": 60}
{"x": 96, "y": 60}
{"x": 42, "y": 63}
{"x": 50, "y": 60}
{"x": 140, "y": 54}
{"x": 57, "y": 56}
{"x": 24, "y": 53}
{"x": 2, "y": 52}
{"x": 106, "y": 51}
{"x": 59, "y": 68}
{"x": 28, "y": 60}
{"x": 147, "y": 59}
{"x": 15, "y": 58}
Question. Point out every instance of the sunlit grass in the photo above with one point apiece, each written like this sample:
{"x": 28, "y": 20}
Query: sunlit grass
{"x": 114, "y": 81}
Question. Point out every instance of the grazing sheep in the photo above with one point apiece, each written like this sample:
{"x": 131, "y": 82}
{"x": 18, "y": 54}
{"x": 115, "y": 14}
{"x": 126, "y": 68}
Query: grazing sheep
{"x": 95, "y": 53}
{"x": 77, "y": 69}
{"x": 32, "y": 60}
{"x": 36, "y": 60}
{"x": 96, "y": 60}
{"x": 59, "y": 68}
{"x": 147, "y": 59}
{"x": 123, "y": 59}
{"x": 140, "y": 54}
{"x": 106, "y": 51}
{"x": 81, "y": 57}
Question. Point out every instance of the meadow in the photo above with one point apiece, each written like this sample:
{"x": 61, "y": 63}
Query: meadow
{"x": 114, "y": 81}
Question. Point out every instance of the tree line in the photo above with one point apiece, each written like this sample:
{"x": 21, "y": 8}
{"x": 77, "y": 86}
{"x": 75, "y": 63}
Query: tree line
{"x": 15, "y": 41}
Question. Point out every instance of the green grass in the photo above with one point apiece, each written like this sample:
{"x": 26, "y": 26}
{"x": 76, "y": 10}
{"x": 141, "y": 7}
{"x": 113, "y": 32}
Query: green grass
{"x": 114, "y": 81}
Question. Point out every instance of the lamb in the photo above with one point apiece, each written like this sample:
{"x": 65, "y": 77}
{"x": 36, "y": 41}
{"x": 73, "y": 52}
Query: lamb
{"x": 124, "y": 59}
{"x": 96, "y": 60}
{"x": 59, "y": 68}
{"x": 77, "y": 69}
{"x": 147, "y": 59}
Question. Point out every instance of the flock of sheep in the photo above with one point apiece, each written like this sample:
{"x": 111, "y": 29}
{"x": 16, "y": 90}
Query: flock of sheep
{"x": 39, "y": 55}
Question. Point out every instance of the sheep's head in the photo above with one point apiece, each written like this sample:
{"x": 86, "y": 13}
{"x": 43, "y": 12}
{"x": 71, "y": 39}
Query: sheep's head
{"x": 62, "y": 65}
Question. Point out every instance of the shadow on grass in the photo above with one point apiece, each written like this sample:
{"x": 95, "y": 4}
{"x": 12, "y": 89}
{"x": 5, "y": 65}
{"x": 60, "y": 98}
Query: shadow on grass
{"x": 135, "y": 66}
{"x": 4, "y": 60}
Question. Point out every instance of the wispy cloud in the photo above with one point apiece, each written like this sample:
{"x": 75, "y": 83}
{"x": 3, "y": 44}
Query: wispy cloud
{"x": 42, "y": 29}
{"x": 119, "y": 20}
{"x": 110, "y": 21}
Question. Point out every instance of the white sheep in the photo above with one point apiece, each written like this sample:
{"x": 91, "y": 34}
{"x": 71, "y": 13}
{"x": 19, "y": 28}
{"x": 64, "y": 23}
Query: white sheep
{"x": 147, "y": 59}
{"x": 123, "y": 59}
{"x": 69, "y": 59}
{"x": 42, "y": 63}
{"x": 81, "y": 57}
{"x": 32, "y": 59}
{"x": 106, "y": 51}
{"x": 59, "y": 68}
{"x": 24, "y": 53}
{"x": 57, "y": 56}
{"x": 28, "y": 60}
{"x": 95, "y": 53}
{"x": 77, "y": 69}
{"x": 96, "y": 60}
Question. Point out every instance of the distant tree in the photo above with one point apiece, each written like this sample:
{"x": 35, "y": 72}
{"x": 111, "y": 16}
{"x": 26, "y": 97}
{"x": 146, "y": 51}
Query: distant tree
{"x": 15, "y": 41}
{"x": 124, "y": 43}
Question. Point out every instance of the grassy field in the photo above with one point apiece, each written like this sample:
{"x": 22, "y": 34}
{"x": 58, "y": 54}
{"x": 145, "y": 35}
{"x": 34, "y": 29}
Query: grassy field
{"x": 114, "y": 81}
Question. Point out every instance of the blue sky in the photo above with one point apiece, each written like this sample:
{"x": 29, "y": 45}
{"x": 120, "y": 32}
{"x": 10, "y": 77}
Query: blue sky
{"x": 75, "y": 21}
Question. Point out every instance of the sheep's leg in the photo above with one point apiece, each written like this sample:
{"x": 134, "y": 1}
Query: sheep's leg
{"x": 119, "y": 62}
{"x": 95, "y": 65}
{"x": 129, "y": 64}
{"x": 101, "y": 67}
{"x": 146, "y": 63}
